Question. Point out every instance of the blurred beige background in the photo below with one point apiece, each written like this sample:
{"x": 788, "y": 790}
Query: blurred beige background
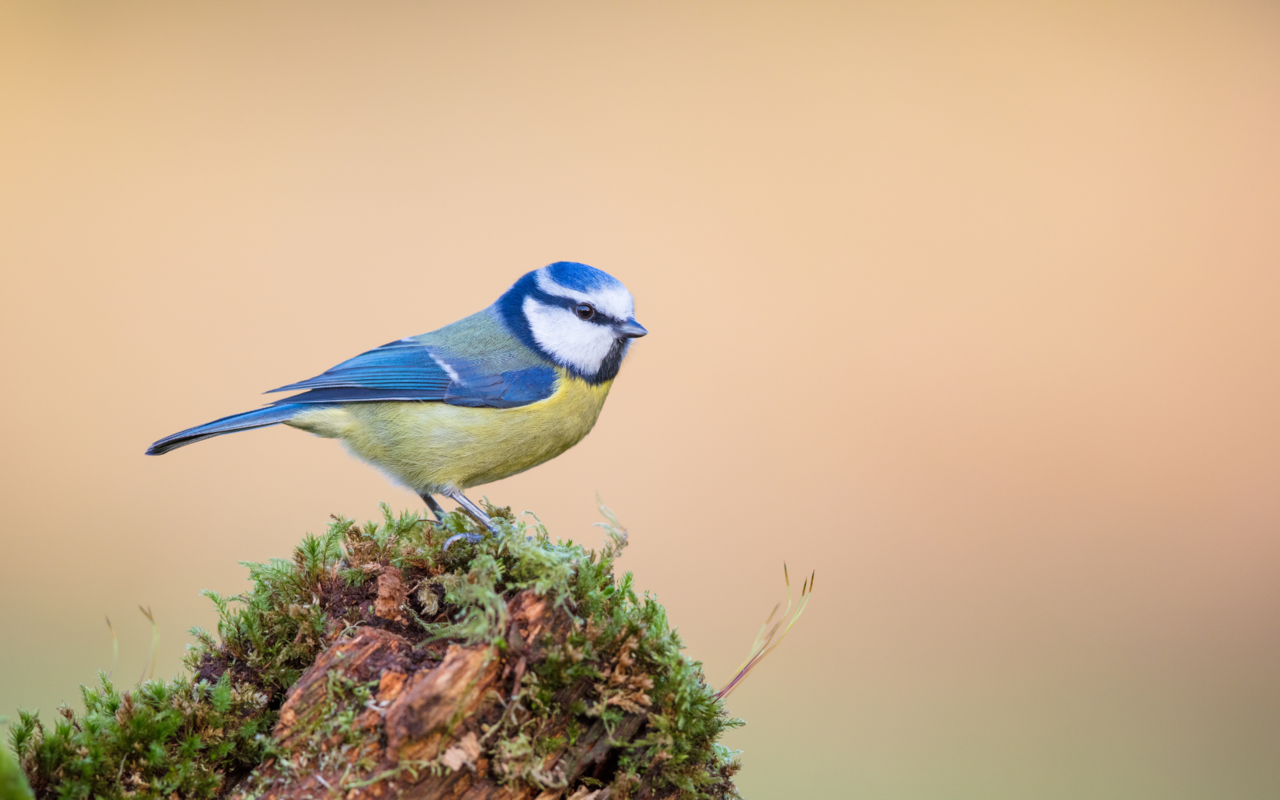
{"x": 970, "y": 306}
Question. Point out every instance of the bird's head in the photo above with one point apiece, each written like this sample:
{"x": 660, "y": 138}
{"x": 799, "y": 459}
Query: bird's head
{"x": 577, "y": 316}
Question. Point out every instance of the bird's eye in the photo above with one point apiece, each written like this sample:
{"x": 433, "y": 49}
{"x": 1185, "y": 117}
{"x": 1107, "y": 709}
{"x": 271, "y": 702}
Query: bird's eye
{"x": 585, "y": 311}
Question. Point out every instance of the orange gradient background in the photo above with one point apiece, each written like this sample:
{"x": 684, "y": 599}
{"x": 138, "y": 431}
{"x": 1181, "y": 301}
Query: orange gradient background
{"x": 970, "y": 306}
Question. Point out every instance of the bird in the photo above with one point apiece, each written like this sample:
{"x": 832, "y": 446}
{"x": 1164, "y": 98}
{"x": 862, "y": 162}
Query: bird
{"x": 484, "y": 398}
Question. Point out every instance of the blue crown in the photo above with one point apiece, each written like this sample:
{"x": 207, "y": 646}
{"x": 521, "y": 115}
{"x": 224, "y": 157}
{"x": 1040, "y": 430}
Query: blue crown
{"x": 580, "y": 277}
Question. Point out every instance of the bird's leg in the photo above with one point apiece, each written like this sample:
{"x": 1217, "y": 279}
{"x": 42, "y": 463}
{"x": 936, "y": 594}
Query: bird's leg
{"x": 433, "y": 505}
{"x": 472, "y": 509}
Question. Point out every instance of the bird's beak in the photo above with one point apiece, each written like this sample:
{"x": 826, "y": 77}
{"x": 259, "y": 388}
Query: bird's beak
{"x": 631, "y": 329}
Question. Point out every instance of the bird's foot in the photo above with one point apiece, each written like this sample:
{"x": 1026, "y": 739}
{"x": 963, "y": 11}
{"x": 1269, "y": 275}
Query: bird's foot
{"x": 470, "y": 508}
{"x": 471, "y": 538}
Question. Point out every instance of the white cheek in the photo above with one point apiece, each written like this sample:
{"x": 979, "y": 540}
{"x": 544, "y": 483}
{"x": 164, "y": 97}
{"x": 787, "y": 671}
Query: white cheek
{"x": 579, "y": 344}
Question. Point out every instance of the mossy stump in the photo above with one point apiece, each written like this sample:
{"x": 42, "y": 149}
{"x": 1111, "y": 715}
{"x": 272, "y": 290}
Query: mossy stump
{"x": 378, "y": 664}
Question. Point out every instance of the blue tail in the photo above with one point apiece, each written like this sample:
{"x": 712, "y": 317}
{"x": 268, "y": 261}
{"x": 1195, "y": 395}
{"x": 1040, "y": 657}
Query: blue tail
{"x": 261, "y": 418}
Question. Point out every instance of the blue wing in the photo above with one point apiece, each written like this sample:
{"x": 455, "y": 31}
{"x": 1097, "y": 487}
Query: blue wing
{"x": 409, "y": 369}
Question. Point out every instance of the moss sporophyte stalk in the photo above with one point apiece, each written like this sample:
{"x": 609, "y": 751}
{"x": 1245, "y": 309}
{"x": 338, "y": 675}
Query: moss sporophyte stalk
{"x": 377, "y": 663}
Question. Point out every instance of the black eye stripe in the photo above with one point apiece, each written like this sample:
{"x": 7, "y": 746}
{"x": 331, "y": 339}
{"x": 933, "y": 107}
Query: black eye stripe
{"x": 569, "y": 304}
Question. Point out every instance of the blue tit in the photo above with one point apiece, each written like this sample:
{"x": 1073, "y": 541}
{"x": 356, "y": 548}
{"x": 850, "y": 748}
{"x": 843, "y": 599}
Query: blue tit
{"x": 482, "y": 399}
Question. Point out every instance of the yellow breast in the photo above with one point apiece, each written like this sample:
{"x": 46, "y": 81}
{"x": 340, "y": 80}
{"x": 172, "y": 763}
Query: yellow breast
{"x": 429, "y": 446}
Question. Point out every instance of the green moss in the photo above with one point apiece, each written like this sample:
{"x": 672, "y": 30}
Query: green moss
{"x": 13, "y": 784}
{"x": 624, "y": 649}
{"x": 156, "y": 740}
{"x": 620, "y": 665}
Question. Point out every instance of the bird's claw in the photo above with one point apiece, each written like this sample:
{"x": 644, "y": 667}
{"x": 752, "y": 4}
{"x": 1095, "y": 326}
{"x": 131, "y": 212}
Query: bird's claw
{"x": 472, "y": 538}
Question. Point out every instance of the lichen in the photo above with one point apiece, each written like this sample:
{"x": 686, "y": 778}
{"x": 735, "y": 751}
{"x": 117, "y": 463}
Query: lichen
{"x": 617, "y": 667}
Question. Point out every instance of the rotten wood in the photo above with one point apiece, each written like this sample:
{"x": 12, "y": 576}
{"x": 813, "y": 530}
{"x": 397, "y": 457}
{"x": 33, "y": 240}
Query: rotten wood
{"x": 422, "y": 734}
